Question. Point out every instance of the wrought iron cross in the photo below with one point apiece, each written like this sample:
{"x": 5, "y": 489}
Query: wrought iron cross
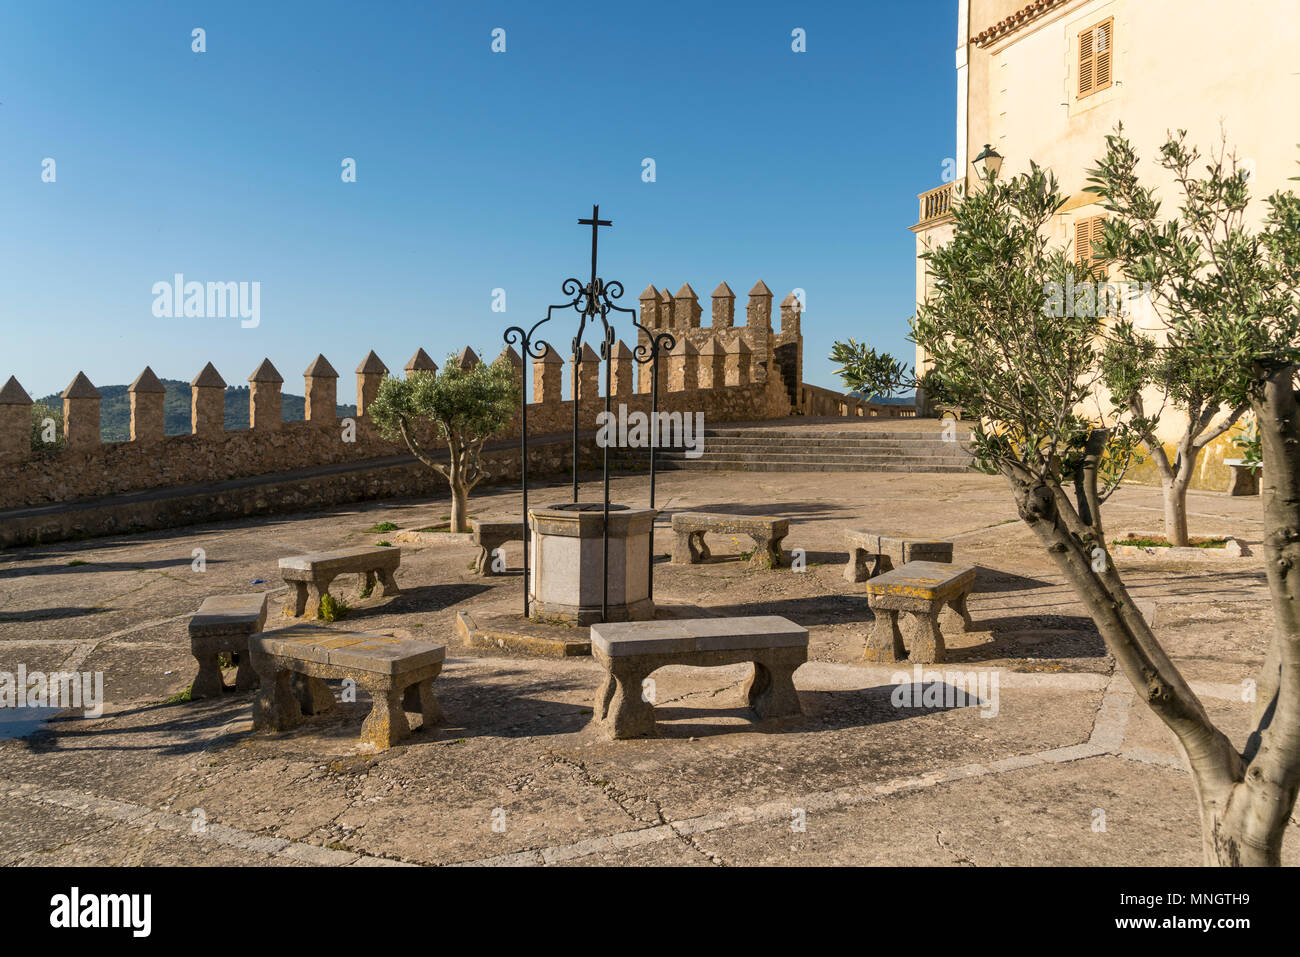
{"x": 595, "y": 223}
{"x": 600, "y": 302}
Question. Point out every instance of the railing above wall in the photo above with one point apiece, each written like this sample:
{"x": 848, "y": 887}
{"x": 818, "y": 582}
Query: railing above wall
{"x": 821, "y": 402}
{"x": 936, "y": 204}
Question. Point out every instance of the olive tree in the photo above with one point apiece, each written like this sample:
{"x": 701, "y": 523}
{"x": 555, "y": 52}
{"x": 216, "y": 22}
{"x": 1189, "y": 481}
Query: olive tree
{"x": 1193, "y": 385}
{"x": 1030, "y": 379}
{"x": 1184, "y": 267}
{"x": 463, "y": 407}
{"x": 868, "y": 372}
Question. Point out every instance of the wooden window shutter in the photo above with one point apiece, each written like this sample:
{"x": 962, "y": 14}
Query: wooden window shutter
{"x": 1085, "y": 62}
{"x": 1096, "y": 54}
{"x": 1099, "y": 270}
{"x": 1086, "y": 232}
{"x": 1103, "y": 46}
{"x": 1083, "y": 242}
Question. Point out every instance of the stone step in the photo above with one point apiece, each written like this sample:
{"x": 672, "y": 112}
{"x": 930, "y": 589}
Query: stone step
{"x": 798, "y": 462}
{"x": 900, "y": 449}
{"x": 860, "y": 440}
{"x": 786, "y": 455}
{"x": 929, "y": 449}
{"x": 947, "y": 452}
{"x": 746, "y": 442}
{"x": 806, "y": 466}
{"x": 843, "y": 445}
{"x": 722, "y": 465}
{"x": 802, "y": 436}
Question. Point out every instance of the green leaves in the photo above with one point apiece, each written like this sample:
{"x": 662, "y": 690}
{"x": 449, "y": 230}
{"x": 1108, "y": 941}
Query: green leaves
{"x": 464, "y": 405}
{"x": 1226, "y": 296}
{"x": 1248, "y": 442}
{"x": 1014, "y": 364}
{"x": 1041, "y": 371}
{"x": 868, "y": 372}
{"x": 47, "y": 429}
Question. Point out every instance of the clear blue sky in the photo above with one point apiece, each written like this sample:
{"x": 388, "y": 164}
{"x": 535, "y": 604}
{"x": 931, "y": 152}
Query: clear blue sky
{"x": 472, "y": 167}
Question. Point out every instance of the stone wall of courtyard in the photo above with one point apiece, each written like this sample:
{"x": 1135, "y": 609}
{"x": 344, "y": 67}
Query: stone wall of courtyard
{"x": 102, "y": 469}
{"x": 307, "y": 490}
{"x": 739, "y": 383}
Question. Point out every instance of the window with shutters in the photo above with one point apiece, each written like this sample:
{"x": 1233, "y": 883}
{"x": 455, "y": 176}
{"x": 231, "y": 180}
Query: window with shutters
{"x": 1086, "y": 232}
{"x": 1096, "y": 48}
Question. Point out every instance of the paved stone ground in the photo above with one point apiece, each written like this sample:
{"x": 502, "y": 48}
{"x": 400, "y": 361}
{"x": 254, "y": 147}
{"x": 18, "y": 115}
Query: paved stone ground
{"x": 874, "y": 784}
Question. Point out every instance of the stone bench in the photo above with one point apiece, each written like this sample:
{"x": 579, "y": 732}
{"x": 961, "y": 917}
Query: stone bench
{"x": 630, "y": 651}
{"x": 871, "y": 554}
{"x": 489, "y": 536}
{"x": 311, "y": 575}
{"x": 222, "y": 625}
{"x": 767, "y": 532}
{"x": 398, "y": 673}
{"x": 1243, "y": 478}
{"x": 923, "y": 590}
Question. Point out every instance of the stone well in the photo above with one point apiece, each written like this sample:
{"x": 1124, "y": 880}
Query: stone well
{"x": 566, "y": 562}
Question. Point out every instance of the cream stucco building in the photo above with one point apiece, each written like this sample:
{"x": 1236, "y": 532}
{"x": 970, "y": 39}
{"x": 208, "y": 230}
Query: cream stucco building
{"x": 1047, "y": 80}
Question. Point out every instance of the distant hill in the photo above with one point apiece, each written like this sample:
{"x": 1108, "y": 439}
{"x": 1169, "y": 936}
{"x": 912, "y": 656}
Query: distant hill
{"x": 115, "y": 409}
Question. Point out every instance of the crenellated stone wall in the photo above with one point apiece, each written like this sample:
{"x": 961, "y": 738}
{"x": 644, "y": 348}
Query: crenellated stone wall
{"x": 729, "y": 372}
{"x": 302, "y": 490}
{"x": 680, "y": 314}
{"x": 87, "y": 468}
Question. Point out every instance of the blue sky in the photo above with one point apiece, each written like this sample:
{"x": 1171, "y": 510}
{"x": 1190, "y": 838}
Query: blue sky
{"x": 472, "y": 168}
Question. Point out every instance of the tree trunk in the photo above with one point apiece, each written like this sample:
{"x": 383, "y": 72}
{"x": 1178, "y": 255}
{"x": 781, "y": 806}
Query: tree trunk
{"x": 1245, "y": 800}
{"x": 1217, "y": 769}
{"x": 1252, "y": 820}
{"x": 459, "y": 505}
{"x": 1262, "y": 804}
{"x": 1175, "y": 489}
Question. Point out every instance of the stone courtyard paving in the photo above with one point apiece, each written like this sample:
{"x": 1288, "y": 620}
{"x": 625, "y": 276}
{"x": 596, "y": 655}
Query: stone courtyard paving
{"x": 153, "y": 782}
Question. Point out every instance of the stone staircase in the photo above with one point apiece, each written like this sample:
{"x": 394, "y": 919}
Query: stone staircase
{"x": 804, "y": 450}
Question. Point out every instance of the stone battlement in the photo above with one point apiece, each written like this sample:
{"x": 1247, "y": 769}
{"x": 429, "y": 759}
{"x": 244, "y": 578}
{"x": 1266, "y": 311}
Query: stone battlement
{"x": 730, "y": 373}
{"x": 710, "y": 349}
{"x": 727, "y": 372}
